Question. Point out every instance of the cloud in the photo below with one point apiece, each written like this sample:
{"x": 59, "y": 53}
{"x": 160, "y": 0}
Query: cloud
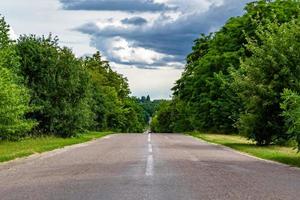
{"x": 115, "y": 5}
{"x": 120, "y": 51}
{"x": 135, "y": 21}
{"x": 166, "y": 36}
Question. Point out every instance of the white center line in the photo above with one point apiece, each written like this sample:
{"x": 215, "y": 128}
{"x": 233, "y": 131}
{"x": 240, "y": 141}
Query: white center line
{"x": 150, "y": 148}
{"x": 149, "y": 168}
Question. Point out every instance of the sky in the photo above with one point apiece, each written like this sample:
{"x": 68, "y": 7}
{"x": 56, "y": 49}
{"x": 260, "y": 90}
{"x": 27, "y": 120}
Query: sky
{"x": 145, "y": 40}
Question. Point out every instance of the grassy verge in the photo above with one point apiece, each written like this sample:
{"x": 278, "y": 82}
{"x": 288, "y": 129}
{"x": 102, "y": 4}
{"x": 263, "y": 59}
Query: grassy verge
{"x": 26, "y": 147}
{"x": 286, "y": 155}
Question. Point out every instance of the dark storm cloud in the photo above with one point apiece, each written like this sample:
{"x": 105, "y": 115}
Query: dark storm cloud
{"x": 134, "y": 21}
{"x": 173, "y": 38}
{"x": 115, "y": 5}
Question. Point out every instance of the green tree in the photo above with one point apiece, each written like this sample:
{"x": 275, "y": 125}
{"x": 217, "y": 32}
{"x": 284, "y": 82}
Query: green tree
{"x": 113, "y": 108}
{"x": 161, "y": 122}
{"x": 291, "y": 113}
{"x": 59, "y": 84}
{"x": 206, "y": 86}
{"x": 273, "y": 67}
{"x": 14, "y": 97}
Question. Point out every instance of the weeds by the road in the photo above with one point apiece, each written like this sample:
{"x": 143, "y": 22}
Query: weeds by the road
{"x": 282, "y": 154}
{"x": 26, "y": 147}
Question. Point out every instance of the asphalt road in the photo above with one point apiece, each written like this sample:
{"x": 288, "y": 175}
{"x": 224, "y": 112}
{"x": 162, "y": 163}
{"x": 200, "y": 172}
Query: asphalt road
{"x": 143, "y": 167}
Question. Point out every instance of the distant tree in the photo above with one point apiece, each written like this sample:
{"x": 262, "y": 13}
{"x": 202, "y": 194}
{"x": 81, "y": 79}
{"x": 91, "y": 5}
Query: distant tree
{"x": 161, "y": 122}
{"x": 143, "y": 99}
{"x": 171, "y": 117}
{"x": 113, "y": 108}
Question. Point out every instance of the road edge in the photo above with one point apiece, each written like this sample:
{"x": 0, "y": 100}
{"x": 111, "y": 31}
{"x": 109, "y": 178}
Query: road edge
{"x": 52, "y": 152}
{"x": 244, "y": 153}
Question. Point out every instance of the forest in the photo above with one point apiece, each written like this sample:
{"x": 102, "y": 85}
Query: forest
{"x": 46, "y": 90}
{"x": 243, "y": 79}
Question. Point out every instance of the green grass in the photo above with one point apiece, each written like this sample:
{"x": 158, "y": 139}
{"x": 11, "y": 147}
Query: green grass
{"x": 29, "y": 146}
{"x": 282, "y": 154}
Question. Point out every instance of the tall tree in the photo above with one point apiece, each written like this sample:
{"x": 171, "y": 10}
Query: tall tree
{"x": 272, "y": 68}
{"x": 59, "y": 85}
{"x": 14, "y": 97}
{"x": 206, "y": 85}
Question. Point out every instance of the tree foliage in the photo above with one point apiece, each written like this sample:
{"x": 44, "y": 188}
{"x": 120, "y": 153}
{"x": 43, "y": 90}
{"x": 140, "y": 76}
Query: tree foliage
{"x": 113, "y": 108}
{"x": 14, "y": 97}
{"x": 234, "y": 78}
{"x": 45, "y": 89}
{"x": 59, "y": 85}
{"x": 291, "y": 114}
{"x": 262, "y": 78}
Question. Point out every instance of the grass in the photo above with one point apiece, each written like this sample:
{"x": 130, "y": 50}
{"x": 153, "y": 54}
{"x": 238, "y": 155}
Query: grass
{"x": 282, "y": 154}
{"x": 29, "y": 146}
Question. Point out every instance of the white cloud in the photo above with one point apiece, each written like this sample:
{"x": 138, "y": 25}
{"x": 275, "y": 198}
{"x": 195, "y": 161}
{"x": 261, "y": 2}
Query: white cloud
{"x": 125, "y": 52}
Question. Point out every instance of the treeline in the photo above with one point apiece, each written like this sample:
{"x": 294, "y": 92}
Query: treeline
{"x": 149, "y": 106}
{"x": 244, "y": 78}
{"x": 46, "y": 90}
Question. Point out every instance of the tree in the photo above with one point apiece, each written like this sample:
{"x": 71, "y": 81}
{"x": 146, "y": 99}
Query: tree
{"x": 113, "y": 108}
{"x": 59, "y": 84}
{"x": 291, "y": 114}
{"x": 148, "y": 98}
{"x": 162, "y": 120}
{"x": 14, "y": 97}
{"x": 272, "y": 68}
{"x": 206, "y": 86}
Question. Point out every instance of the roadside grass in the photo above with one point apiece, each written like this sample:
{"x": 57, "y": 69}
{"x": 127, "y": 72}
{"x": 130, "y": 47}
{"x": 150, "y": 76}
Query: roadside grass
{"x": 29, "y": 146}
{"x": 282, "y": 154}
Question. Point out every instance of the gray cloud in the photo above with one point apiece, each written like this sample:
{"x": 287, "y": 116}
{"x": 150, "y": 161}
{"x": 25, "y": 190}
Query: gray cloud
{"x": 167, "y": 36}
{"x": 115, "y": 5}
{"x": 135, "y": 21}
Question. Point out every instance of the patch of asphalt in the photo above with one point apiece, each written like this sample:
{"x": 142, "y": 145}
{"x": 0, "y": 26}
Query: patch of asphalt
{"x": 245, "y": 154}
{"x": 48, "y": 154}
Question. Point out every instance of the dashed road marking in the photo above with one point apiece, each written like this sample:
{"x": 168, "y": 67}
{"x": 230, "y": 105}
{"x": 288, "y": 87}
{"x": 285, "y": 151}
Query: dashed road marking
{"x": 150, "y": 148}
{"x": 149, "y": 167}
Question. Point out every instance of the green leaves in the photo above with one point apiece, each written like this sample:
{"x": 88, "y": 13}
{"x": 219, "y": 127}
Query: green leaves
{"x": 59, "y": 85}
{"x": 291, "y": 113}
{"x": 45, "y": 87}
{"x": 14, "y": 97}
{"x": 14, "y": 101}
{"x": 272, "y": 68}
{"x": 111, "y": 104}
{"x": 234, "y": 78}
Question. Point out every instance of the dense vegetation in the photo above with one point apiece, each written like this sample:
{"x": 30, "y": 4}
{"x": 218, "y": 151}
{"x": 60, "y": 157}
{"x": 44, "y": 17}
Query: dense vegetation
{"x": 243, "y": 78}
{"x": 46, "y": 90}
{"x": 149, "y": 106}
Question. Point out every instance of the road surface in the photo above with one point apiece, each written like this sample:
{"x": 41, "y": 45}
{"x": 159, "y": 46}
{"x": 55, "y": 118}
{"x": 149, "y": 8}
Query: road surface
{"x": 147, "y": 167}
